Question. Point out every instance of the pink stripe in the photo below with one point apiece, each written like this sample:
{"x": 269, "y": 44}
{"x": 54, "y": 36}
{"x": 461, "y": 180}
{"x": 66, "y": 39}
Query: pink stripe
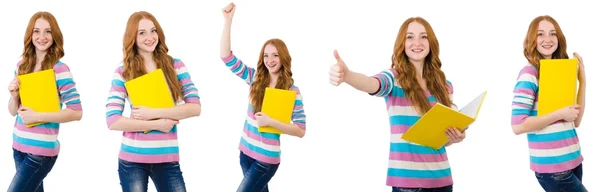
{"x": 518, "y": 119}
{"x": 521, "y": 105}
{"x": 192, "y": 100}
{"x": 529, "y": 70}
{"x": 119, "y": 89}
{"x": 298, "y": 107}
{"x": 419, "y": 183}
{"x": 554, "y": 144}
{"x": 554, "y": 168}
{"x": 399, "y": 129}
{"x": 525, "y": 91}
{"x": 112, "y": 119}
{"x": 137, "y": 158}
{"x": 228, "y": 58}
{"x": 36, "y": 150}
{"x": 185, "y": 81}
{"x": 61, "y": 68}
{"x": 179, "y": 64}
{"x": 39, "y": 129}
{"x": 114, "y": 105}
{"x": 398, "y": 101}
{"x": 258, "y": 156}
{"x": 301, "y": 125}
{"x": 402, "y": 156}
{"x": 76, "y": 107}
{"x": 261, "y": 139}
{"x": 150, "y": 137}
{"x": 67, "y": 87}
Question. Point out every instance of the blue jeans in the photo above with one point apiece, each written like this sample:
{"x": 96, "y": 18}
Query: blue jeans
{"x": 441, "y": 189}
{"x": 569, "y": 180}
{"x": 256, "y": 174}
{"x": 167, "y": 177}
{"x": 31, "y": 171}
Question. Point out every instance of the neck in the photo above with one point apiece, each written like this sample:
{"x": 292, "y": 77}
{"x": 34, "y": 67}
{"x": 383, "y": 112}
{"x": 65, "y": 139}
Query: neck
{"x": 273, "y": 82}
{"x": 418, "y": 68}
{"x": 40, "y": 55}
{"x": 148, "y": 58}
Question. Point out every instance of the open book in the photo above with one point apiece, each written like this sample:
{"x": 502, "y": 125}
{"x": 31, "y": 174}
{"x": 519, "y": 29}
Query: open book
{"x": 429, "y": 129}
{"x": 39, "y": 92}
{"x": 279, "y": 105}
{"x": 150, "y": 90}
{"x": 557, "y": 84}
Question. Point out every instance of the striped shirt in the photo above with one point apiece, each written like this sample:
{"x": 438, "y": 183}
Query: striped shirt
{"x": 554, "y": 148}
{"x": 155, "y": 146}
{"x": 42, "y": 139}
{"x": 264, "y": 147}
{"x": 410, "y": 165}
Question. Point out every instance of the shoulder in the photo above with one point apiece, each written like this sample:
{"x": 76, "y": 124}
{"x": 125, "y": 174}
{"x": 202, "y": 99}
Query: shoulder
{"x": 119, "y": 69}
{"x": 450, "y": 86}
{"x": 529, "y": 70}
{"x": 61, "y": 67}
{"x": 296, "y": 89}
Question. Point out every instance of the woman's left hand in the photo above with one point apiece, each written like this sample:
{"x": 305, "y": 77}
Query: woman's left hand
{"x": 454, "y": 135}
{"x": 263, "y": 119}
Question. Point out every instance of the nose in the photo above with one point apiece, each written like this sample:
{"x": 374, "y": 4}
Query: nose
{"x": 270, "y": 59}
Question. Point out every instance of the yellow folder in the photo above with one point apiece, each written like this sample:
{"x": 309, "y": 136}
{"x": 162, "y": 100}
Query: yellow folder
{"x": 150, "y": 90}
{"x": 38, "y": 91}
{"x": 557, "y": 84}
{"x": 429, "y": 129}
{"x": 279, "y": 105}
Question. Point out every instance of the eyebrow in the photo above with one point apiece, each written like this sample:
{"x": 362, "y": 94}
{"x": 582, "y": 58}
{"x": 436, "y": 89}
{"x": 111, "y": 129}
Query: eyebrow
{"x": 411, "y": 33}
{"x": 145, "y": 29}
{"x": 550, "y": 30}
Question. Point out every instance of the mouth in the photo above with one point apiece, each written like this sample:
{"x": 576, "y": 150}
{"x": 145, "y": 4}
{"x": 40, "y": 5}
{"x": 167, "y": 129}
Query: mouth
{"x": 42, "y": 43}
{"x": 547, "y": 46}
{"x": 149, "y": 44}
{"x": 271, "y": 65}
{"x": 416, "y": 50}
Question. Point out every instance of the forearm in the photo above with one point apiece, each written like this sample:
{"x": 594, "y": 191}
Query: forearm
{"x": 290, "y": 129}
{"x": 62, "y": 116}
{"x": 226, "y": 39}
{"x": 13, "y": 106}
{"x": 362, "y": 82}
{"x": 179, "y": 112}
{"x": 535, "y": 123}
{"x": 131, "y": 125}
{"x": 581, "y": 103}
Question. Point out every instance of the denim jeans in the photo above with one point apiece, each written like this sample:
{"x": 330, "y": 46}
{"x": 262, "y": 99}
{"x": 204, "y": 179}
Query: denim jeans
{"x": 31, "y": 171}
{"x": 441, "y": 189}
{"x": 566, "y": 181}
{"x": 256, "y": 174}
{"x": 167, "y": 177}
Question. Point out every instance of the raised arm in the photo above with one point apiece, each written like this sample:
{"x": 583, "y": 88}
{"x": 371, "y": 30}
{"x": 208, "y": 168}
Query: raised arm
{"x": 234, "y": 64}
{"x": 340, "y": 73}
{"x": 116, "y": 104}
{"x": 68, "y": 96}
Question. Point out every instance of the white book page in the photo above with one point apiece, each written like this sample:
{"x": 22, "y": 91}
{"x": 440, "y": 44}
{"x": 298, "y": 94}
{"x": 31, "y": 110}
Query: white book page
{"x": 471, "y": 109}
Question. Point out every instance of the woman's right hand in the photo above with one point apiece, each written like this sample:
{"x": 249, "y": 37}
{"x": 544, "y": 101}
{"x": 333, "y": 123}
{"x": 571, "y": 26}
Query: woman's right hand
{"x": 13, "y": 88}
{"x": 569, "y": 113}
{"x": 228, "y": 11}
{"x": 165, "y": 125}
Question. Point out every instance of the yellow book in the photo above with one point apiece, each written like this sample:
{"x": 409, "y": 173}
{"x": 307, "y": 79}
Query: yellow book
{"x": 430, "y": 128}
{"x": 39, "y": 92}
{"x": 279, "y": 105}
{"x": 557, "y": 84}
{"x": 150, "y": 90}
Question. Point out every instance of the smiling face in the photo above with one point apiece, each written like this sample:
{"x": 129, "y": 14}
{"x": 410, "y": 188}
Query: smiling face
{"x": 547, "y": 41}
{"x": 147, "y": 36}
{"x": 42, "y": 35}
{"x": 417, "y": 44}
{"x": 271, "y": 59}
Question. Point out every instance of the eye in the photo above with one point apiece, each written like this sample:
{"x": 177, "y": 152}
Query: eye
{"x": 276, "y": 55}
{"x": 141, "y": 33}
{"x": 154, "y": 31}
{"x": 553, "y": 34}
{"x": 424, "y": 37}
{"x": 409, "y": 37}
{"x": 540, "y": 34}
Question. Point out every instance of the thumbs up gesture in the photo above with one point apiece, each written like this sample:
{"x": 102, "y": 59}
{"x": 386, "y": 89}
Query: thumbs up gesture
{"x": 338, "y": 71}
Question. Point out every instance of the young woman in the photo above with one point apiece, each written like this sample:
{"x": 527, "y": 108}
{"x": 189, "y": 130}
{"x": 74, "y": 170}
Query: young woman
{"x": 36, "y": 148}
{"x": 554, "y": 149}
{"x": 411, "y": 86}
{"x": 260, "y": 152}
{"x": 154, "y": 154}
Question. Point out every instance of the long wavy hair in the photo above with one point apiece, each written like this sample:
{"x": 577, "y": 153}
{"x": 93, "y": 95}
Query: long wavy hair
{"x": 133, "y": 63}
{"x": 407, "y": 75}
{"x": 284, "y": 81}
{"x": 530, "y": 43}
{"x": 54, "y": 53}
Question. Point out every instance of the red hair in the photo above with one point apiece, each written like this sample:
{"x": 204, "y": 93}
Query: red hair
{"x": 530, "y": 43}
{"x": 55, "y": 51}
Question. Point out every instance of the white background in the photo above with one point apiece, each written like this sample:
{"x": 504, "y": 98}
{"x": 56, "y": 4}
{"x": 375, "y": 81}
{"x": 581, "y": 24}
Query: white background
{"x": 347, "y": 140}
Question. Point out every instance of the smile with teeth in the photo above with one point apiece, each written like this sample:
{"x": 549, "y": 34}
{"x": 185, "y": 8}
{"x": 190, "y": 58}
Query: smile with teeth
{"x": 149, "y": 43}
{"x": 270, "y": 65}
{"x": 547, "y": 46}
{"x": 417, "y": 50}
{"x": 42, "y": 43}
